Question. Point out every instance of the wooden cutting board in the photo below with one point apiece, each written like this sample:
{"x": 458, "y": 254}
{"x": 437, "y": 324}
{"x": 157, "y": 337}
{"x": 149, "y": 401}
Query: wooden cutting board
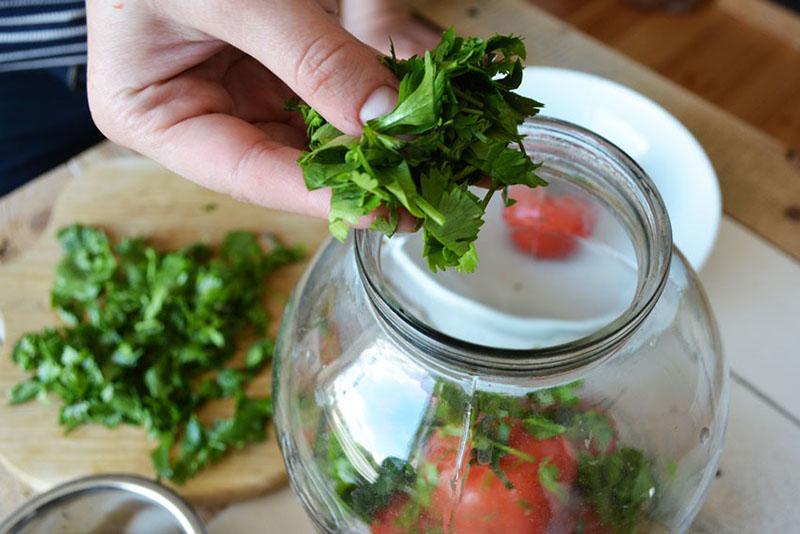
{"x": 132, "y": 196}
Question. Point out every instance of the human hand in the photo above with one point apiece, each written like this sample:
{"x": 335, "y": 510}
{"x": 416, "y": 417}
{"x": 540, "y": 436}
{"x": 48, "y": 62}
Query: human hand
{"x": 200, "y": 87}
{"x": 376, "y": 21}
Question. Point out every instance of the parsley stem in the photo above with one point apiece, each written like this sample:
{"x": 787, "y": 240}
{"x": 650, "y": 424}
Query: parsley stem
{"x": 514, "y": 452}
{"x": 463, "y": 172}
{"x": 488, "y": 197}
{"x": 468, "y": 97}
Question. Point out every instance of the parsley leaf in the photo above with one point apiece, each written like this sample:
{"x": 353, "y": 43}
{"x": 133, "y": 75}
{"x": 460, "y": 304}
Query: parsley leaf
{"x": 540, "y": 427}
{"x": 548, "y": 478}
{"x": 24, "y": 391}
{"x": 455, "y": 124}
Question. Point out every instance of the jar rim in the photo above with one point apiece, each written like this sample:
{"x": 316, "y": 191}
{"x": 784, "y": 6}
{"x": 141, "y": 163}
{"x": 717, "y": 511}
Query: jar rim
{"x": 654, "y": 255}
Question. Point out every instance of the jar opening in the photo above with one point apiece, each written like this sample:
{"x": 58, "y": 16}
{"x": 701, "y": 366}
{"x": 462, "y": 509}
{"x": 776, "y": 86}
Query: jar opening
{"x": 565, "y": 276}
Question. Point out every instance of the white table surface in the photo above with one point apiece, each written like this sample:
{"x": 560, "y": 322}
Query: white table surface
{"x": 754, "y": 290}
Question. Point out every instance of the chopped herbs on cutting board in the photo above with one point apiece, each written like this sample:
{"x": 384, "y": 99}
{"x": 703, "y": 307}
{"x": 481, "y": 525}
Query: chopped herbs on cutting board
{"x": 454, "y": 126}
{"x": 147, "y": 340}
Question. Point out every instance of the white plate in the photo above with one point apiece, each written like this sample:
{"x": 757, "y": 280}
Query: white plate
{"x": 656, "y": 140}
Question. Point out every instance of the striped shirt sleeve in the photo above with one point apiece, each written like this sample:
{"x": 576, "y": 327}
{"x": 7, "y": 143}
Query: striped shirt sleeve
{"x": 36, "y": 34}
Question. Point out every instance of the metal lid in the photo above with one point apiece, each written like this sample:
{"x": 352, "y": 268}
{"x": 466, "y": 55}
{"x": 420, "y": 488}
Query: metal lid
{"x": 40, "y": 513}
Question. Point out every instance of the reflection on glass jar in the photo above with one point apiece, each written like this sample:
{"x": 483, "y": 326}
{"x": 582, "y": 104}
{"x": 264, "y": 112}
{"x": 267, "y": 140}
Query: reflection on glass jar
{"x": 573, "y": 383}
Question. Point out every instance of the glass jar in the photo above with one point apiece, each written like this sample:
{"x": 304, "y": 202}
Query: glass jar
{"x": 573, "y": 383}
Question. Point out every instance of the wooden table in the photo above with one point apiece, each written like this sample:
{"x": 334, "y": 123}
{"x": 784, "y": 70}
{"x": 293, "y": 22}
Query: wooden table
{"x": 742, "y": 55}
{"x": 761, "y": 190}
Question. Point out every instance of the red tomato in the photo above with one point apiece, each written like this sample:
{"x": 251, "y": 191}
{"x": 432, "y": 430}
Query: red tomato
{"x": 591, "y": 522}
{"x": 543, "y": 244}
{"x": 557, "y": 451}
{"x": 486, "y": 505}
{"x": 442, "y": 451}
{"x": 527, "y": 207}
{"x": 546, "y": 225}
{"x": 386, "y": 521}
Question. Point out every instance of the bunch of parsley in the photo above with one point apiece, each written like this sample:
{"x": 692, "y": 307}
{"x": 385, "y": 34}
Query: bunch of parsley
{"x": 147, "y": 338}
{"x": 455, "y": 125}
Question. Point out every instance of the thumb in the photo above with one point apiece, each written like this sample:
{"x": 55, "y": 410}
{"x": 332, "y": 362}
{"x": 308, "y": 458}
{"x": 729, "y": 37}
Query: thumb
{"x": 340, "y": 77}
{"x": 309, "y": 51}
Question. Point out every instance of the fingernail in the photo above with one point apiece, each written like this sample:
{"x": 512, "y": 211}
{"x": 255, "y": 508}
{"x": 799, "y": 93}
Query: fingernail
{"x": 380, "y": 102}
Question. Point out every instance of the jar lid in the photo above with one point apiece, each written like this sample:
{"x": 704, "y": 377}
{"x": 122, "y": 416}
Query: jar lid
{"x": 106, "y": 503}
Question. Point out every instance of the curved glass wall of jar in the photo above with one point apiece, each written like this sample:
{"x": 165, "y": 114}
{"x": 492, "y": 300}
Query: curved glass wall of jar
{"x": 395, "y": 415}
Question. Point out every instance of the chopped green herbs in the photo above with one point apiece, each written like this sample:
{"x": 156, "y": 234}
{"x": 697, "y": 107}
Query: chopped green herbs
{"x": 364, "y": 498}
{"x": 394, "y": 475}
{"x": 619, "y": 486}
{"x": 569, "y": 453}
{"x": 147, "y": 338}
{"x": 455, "y": 125}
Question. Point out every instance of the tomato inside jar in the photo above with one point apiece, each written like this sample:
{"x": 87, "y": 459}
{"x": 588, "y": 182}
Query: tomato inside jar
{"x": 548, "y": 225}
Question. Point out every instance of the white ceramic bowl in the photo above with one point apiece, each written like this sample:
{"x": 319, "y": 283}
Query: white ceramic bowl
{"x": 656, "y": 140}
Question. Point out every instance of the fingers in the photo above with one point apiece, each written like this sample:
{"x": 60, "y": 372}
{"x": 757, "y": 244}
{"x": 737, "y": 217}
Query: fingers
{"x": 306, "y": 48}
{"x": 252, "y": 163}
{"x": 330, "y": 6}
{"x": 160, "y": 83}
{"x": 255, "y": 164}
{"x": 257, "y": 94}
{"x": 415, "y": 39}
{"x": 407, "y": 222}
{"x": 375, "y": 22}
{"x": 286, "y": 134}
